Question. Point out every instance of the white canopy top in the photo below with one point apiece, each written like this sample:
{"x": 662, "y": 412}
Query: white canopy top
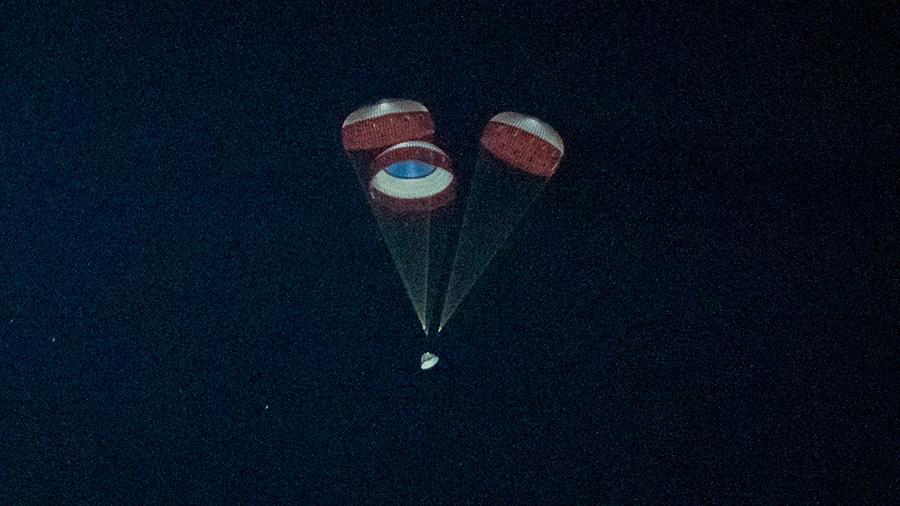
{"x": 383, "y": 108}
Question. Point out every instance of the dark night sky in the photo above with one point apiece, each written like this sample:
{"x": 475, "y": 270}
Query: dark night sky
{"x": 196, "y": 306}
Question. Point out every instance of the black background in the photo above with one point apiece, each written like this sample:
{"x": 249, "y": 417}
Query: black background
{"x": 196, "y": 306}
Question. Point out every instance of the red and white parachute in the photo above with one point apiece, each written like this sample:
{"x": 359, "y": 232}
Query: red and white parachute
{"x": 412, "y": 176}
{"x": 523, "y": 142}
{"x": 375, "y": 127}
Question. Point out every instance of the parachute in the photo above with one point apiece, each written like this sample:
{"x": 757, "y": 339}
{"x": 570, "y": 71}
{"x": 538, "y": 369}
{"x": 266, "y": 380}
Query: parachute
{"x": 405, "y": 178}
{"x": 519, "y": 154}
{"x": 411, "y": 187}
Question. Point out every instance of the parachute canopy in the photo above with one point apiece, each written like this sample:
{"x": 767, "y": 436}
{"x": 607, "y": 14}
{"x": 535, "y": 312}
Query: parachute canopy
{"x": 388, "y": 122}
{"x": 524, "y": 142}
{"x": 413, "y": 177}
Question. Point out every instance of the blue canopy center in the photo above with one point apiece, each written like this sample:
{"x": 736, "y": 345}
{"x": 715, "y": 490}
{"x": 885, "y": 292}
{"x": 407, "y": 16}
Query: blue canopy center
{"x": 410, "y": 169}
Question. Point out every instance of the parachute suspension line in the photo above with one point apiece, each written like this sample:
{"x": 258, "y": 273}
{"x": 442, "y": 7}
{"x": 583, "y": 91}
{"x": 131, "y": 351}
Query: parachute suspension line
{"x": 407, "y": 242}
{"x": 447, "y": 311}
{"x": 427, "y": 338}
{"x": 426, "y": 264}
{"x": 497, "y": 202}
